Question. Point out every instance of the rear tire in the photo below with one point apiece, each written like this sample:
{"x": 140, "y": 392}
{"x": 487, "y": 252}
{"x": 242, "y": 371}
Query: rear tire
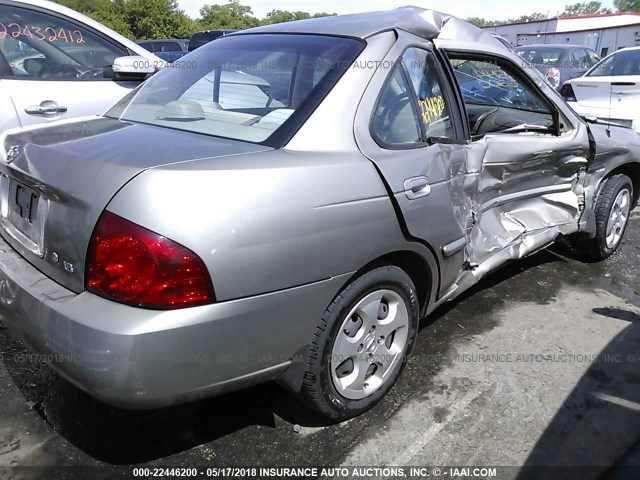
{"x": 361, "y": 344}
{"x": 612, "y": 210}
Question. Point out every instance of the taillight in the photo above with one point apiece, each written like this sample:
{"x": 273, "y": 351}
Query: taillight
{"x": 553, "y": 76}
{"x": 567, "y": 93}
{"x": 130, "y": 264}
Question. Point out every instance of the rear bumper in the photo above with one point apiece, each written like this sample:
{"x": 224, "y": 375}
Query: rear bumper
{"x": 137, "y": 358}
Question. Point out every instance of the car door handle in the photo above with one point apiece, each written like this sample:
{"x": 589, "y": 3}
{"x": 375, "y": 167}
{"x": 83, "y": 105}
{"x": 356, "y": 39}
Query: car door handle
{"x": 48, "y": 108}
{"x": 623, "y": 84}
{"x": 416, "y": 187}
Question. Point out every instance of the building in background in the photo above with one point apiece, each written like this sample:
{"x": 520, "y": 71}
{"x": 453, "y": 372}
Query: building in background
{"x": 604, "y": 33}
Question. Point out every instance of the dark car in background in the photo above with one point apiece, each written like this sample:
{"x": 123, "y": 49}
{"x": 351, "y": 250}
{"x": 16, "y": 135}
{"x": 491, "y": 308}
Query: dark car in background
{"x": 168, "y": 49}
{"x": 559, "y": 63}
{"x": 205, "y": 36}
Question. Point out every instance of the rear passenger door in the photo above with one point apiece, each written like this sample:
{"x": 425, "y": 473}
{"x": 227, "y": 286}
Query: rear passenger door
{"x": 410, "y": 126}
{"x": 625, "y": 85}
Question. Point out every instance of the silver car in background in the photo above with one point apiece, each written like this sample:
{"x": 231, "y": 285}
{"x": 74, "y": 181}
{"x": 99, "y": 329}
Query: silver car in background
{"x": 291, "y": 205}
{"x": 559, "y": 63}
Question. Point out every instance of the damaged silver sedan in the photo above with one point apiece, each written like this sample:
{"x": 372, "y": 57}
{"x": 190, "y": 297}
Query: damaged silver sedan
{"x": 291, "y": 205}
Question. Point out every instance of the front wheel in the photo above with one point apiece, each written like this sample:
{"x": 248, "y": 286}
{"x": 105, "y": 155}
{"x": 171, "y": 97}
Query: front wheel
{"x": 361, "y": 344}
{"x": 613, "y": 208}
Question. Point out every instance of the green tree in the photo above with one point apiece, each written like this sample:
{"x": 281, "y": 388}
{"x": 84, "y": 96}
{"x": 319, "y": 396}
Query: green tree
{"x": 480, "y": 22}
{"x": 112, "y": 13}
{"x": 627, "y": 5}
{"x": 157, "y": 19}
{"x": 534, "y": 17}
{"x": 586, "y": 8}
{"x": 281, "y": 16}
{"x": 138, "y": 19}
{"x": 232, "y": 15}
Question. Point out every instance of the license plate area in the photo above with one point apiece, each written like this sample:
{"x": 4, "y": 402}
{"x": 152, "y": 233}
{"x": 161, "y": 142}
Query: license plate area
{"x": 23, "y": 211}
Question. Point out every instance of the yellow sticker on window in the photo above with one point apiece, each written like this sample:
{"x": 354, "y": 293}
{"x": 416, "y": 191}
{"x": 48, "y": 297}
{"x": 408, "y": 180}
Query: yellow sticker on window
{"x": 431, "y": 109}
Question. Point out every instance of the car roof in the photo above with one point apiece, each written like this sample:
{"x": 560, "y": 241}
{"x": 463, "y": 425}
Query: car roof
{"x": 552, "y": 45}
{"x": 626, "y": 49}
{"x": 562, "y": 46}
{"x": 149, "y": 40}
{"x": 419, "y": 21}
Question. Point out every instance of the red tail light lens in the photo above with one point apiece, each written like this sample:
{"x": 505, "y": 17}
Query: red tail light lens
{"x": 130, "y": 264}
{"x": 567, "y": 93}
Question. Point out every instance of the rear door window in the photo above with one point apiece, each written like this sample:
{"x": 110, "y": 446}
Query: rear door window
{"x": 413, "y": 108}
{"x": 580, "y": 59}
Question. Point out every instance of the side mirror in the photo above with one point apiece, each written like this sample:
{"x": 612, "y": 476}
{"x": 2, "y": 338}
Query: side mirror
{"x": 134, "y": 67}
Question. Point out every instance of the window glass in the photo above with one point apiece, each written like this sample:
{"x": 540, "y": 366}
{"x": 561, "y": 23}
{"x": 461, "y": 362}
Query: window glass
{"x": 395, "y": 120}
{"x": 427, "y": 84}
{"x": 580, "y": 59}
{"x": 498, "y": 101}
{"x": 41, "y": 46}
{"x": 627, "y": 63}
{"x": 593, "y": 58}
{"x": 245, "y": 87}
{"x": 540, "y": 55}
{"x": 166, "y": 47}
{"x": 603, "y": 69}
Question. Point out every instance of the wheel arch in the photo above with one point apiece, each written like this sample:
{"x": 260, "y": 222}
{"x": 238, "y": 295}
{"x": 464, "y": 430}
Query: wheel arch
{"x": 416, "y": 260}
{"x": 420, "y": 270}
{"x": 631, "y": 170}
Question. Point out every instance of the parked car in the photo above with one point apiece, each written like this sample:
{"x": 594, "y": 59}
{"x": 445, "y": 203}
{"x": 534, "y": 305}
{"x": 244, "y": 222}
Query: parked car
{"x": 56, "y": 63}
{"x": 205, "y": 36}
{"x": 610, "y": 91}
{"x": 168, "y": 49}
{"x": 502, "y": 40}
{"x": 193, "y": 241}
{"x": 559, "y": 63}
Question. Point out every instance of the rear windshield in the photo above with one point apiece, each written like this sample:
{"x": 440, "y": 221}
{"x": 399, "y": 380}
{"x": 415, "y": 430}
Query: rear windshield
{"x": 257, "y": 88}
{"x": 541, "y": 55}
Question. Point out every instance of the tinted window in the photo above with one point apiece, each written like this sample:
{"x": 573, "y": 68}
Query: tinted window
{"x": 167, "y": 47}
{"x": 626, "y": 63}
{"x": 541, "y": 55}
{"x": 202, "y": 38}
{"x": 247, "y": 87}
{"x": 497, "y": 99}
{"x": 603, "y": 69}
{"x": 580, "y": 59}
{"x": 37, "y": 45}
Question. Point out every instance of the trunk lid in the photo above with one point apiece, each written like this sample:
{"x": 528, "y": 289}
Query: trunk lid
{"x": 592, "y": 92}
{"x": 56, "y": 181}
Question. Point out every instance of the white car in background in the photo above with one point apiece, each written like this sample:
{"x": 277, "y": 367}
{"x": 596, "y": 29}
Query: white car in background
{"x": 56, "y": 63}
{"x": 610, "y": 90}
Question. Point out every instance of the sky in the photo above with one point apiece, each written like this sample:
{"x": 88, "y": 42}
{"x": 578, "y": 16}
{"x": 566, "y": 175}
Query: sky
{"x": 489, "y": 9}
